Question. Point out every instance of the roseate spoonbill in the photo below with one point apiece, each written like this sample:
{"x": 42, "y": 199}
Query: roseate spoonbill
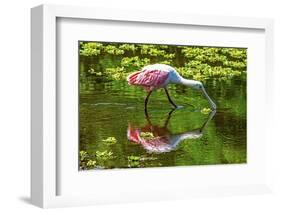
{"x": 161, "y": 140}
{"x": 157, "y": 76}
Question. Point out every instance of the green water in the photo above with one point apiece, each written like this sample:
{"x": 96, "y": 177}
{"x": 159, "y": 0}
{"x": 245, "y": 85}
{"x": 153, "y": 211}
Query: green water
{"x": 111, "y": 109}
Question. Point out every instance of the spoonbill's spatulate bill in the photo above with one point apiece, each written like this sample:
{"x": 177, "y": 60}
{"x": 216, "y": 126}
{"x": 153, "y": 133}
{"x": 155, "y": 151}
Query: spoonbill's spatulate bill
{"x": 157, "y": 76}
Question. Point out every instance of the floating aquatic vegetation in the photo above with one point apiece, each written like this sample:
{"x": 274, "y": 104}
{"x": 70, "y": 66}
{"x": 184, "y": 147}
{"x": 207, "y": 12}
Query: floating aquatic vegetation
{"x": 128, "y": 47}
{"x": 133, "y": 161}
{"x": 91, "y": 163}
{"x": 104, "y": 155}
{"x": 134, "y": 62}
{"x": 134, "y": 158}
{"x": 206, "y": 110}
{"x": 165, "y": 62}
{"x": 152, "y": 50}
{"x": 146, "y": 135}
{"x": 94, "y": 72}
{"x": 110, "y": 140}
{"x": 169, "y": 56}
{"x": 85, "y": 161}
{"x": 98, "y": 160}
{"x": 90, "y": 48}
{"x": 112, "y": 49}
{"x": 83, "y": 155}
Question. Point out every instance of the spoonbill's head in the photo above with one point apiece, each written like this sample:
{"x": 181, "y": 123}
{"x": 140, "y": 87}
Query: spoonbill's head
{"x": 197, "y": 85}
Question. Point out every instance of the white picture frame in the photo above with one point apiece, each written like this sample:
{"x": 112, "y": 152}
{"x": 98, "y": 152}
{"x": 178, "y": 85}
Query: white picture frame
{"x": 44, "y": 154}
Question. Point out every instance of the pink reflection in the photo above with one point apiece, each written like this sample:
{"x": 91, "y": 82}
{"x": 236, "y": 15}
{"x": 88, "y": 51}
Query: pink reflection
{"x": 155, "y": 139}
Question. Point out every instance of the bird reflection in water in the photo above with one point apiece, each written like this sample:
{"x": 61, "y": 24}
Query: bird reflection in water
{"x": 156, "y": 139}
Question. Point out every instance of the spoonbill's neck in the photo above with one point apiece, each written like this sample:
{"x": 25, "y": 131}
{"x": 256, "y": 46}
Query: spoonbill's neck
{"x": 176, "y": 139}
{"x": 188, "y": 83}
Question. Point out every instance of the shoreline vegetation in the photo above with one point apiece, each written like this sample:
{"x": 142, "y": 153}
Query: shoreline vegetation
{"x": 198, "y": 63}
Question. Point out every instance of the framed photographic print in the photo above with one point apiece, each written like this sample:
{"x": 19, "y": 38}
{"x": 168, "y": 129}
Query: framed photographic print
{"x": 147, "y": 106}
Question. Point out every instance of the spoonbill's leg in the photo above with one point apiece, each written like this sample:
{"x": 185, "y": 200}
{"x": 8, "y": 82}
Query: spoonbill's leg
{"x": 170, "y": 98}
{"x": 146, "y": 99}
{"x": 168, "y": 118}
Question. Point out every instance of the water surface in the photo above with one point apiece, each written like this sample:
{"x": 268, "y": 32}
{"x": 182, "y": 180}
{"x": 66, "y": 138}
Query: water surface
{"x": 162, "y": 136}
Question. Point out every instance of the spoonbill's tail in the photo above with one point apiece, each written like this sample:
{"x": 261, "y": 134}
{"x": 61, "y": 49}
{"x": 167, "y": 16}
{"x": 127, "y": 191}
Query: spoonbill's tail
{"x": 132, "y": 78}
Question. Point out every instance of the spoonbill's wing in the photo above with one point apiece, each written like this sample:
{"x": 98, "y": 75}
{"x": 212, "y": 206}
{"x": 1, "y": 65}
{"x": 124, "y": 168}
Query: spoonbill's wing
{"x": 149, "y": 79}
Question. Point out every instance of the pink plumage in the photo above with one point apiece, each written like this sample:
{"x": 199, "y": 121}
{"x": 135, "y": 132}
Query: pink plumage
{"x": 149, "y": 78}
{"x": 158, "y": 144}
